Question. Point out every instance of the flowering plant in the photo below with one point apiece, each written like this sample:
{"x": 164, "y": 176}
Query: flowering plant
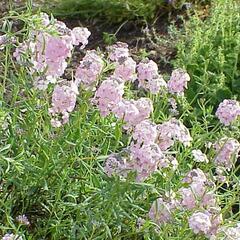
{"x": 116, "y": 137}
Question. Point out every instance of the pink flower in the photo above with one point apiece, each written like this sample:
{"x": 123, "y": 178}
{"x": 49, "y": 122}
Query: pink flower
{"x": 171, "y": 131}
{"x": 199, "y": 156}
{"x": 50, "y": 54}
{"x": 156, "y": 85}
{"x": 128, "y": 111}
{"x": 195, "y": 175}
{"x": 144, "y": 160}
{"x": 200, "y": 222}
{"x": 114, "y": 165}
{"x": 80, "y": 35}
{"x": 231, "y": 233}
{"x": 22, "y": 219}
{"x": 145, "y": 108}
{"x": 197, "y": 193}
{"x": 62, "y": 29}
{"x": 125, "y": 69}
{"x": 108, "y": 95}
{"x": 63, "y": 102}
{"x": 228, "y": 111}
{"x": 55, "y": 49}
{"x": 162, "y": 208}
{"x": 118, "y": 51}
{"x": 89, "y": 69}
{"x": 145, "y": 132}
{"x": 188, "y": 198}
{"x": 133, "y": 112}
{"x": 149, "y": 78}
{"x": 46, "y": 54}
{"x": 216, "y": 221}
{"x": 227, "y": 151}
{"x": 206, "y": 222}
{"x": 161, "y": 211}
{"x": 178, "y": 81}
{"x": 147, "y": 70}
{"x": 11, "y": 236}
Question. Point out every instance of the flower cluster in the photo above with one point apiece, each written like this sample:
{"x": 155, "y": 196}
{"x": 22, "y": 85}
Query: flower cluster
{"x": 161, "y": 210}
{"x": 80, "y": 36}
{"x": 109, "y": 95}
{"x": 171, "y": 131}
{"x": 227, "y": 151}
{"x": 205, "y": 217}
{"x": 230, "y": 233}
{"x": 115, "y": 164}
{"x": 205, "y": 222}
{"x": 149, "y": 78}
{"x": 89, "y": 69}
{"x": 48, "y": 50}
{"x": 63, "y": 102}
{"x": 125, "y": 69}
{"x": 118, "y": 51}
{"x": 11, "y": 236}
{"x": 125, "y": 66}
{"x": 228, "y": 111}
{"x": 145, "y": 132}
{"x": 144, "y": 160}
{"x": 133, "y": 111}
{"x": 145, "y": 154}
{"x": 178, "y": 81}
{"x": 197, "y": 193}
{"x": 199, "y": 197}
{"x": 22, "y": 219}
{"x": 199, "y": 156}
{"x": 200, "y": 222}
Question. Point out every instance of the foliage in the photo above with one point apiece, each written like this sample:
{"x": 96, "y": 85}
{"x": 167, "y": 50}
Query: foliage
{"x": 55, "y": 176}
{"x": 209, "y": 49}
{"x": 108, "y": 11}
{"x": 117, "y": 11}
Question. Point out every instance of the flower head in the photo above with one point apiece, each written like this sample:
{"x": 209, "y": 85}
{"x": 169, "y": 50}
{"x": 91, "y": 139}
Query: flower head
{"x": 80, "y": 35}
{"x": 199, "y": 156}
{"x": 11, "y": 236}
{"x": 22, "y": 219}
{"x": 64, "y": 99}
{"x": 89, "y": 69}
{"x": 108, "y": 95}
{"x": 178, "y": 81}
{"x": 200, "y": 222}
{"x": 161, "y": 210}
{"x": 228, "y": 111}
{"x": 145, "y": 132}
{"x": 170, "y": 131}
{"x": 133, "y": 111}
{"x": 125, "y": 69}
{"x": 227, "y": 150}
{"x": 118, "y": 51}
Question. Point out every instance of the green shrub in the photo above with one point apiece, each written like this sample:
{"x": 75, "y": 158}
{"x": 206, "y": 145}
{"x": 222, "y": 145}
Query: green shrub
{"x": 210, "y": 51}
{"x": 115, "y": 11}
